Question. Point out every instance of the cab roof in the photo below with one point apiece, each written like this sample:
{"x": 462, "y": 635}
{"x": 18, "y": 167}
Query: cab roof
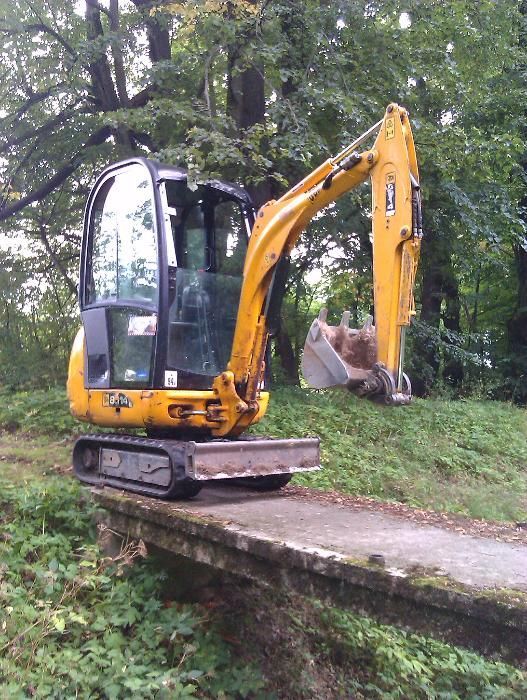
{"x": 161, "y": 171}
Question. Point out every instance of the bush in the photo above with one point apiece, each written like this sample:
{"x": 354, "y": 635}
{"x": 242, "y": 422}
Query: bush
{"x": 78, "y": 625}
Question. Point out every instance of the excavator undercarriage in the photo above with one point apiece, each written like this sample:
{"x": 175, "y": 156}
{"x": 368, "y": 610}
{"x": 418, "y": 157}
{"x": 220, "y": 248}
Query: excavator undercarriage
{"x": 178, "y": 468}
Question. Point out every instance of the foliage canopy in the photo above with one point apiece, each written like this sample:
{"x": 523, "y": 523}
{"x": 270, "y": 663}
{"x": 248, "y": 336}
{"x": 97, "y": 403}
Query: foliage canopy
{"x": 261, "y": 93}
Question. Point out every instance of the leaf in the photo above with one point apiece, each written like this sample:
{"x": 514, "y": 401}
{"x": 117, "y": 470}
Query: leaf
{"x": 59, "y": 623}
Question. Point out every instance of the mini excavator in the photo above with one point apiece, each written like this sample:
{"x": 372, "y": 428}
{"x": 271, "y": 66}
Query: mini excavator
{"x": 179, "y": 291}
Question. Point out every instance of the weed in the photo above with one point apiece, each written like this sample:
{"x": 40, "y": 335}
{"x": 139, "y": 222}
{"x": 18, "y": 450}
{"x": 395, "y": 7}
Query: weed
{"x": 77, "y": 625}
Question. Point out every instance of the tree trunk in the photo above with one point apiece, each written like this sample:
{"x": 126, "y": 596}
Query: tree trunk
{"x": 99, "y": 67}
{"x": 104, "y": 90}
{"x": 440, "y": 305}
{"x": 517, "y": 329}
{"x": 246, "y": 105}
{"x": 288, "y": 360}
{"x": 426, "y": 356}
{"x": 517, "y": 324}
{"x": 156, "y": 30}
{"x": 453, "y": 369}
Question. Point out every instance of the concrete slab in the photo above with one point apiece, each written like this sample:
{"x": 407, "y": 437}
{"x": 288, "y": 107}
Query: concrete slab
{"x": 474, "y": 561}
{"x": 467, "y": 589}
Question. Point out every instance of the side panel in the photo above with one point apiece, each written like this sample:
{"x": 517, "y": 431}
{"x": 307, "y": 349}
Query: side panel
{"x": 78, "y": 395}
{"x": 97, "y": 360}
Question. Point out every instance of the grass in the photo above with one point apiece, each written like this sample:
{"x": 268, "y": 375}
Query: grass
{"x": 466, "y": 457}
{"x": 23, "y": 457}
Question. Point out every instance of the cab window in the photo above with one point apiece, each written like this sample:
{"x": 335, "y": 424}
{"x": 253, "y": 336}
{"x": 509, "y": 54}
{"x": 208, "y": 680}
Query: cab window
{"x": 123, "y": 240}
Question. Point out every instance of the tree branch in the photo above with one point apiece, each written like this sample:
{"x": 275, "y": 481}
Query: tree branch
{"x": 97, "y": 6}
{"x": 60, "y": 176}
{"x": 41, "y": 130}
{"x": 141, "y": 98}
{"x": 118, "y": 61}
{"x": 146, "y": 140}
{"x": 101, "y": 76}
{"x": 41, "y": 27}
{"x": 57, "y": 263}
{"x": 208, "y": 85}
{"x": 33, "y": 99}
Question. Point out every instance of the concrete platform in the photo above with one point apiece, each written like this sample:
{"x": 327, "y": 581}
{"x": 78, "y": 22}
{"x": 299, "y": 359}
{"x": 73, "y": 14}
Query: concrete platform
{"x": 468, "y": 590}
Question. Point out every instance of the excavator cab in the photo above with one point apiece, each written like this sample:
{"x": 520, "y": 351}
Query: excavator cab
{"x": 161, "y": 274}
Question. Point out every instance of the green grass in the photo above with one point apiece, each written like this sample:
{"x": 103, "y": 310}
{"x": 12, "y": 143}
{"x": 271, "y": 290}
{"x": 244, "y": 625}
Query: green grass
{"x": 23, "y": 457}
{"x": 463, "y": 456}
{"x": 460, "y": 456}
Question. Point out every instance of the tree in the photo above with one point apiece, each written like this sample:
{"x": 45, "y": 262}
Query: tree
{"x": 261, "y": 93}
{"x": 517, "y": 323}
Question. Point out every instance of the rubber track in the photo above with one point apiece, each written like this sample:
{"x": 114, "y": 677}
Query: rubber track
{"x": 180, "y": 485}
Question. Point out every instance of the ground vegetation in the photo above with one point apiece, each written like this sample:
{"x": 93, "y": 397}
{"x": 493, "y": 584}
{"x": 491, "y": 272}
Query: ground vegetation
{"x": 78, "y": 623}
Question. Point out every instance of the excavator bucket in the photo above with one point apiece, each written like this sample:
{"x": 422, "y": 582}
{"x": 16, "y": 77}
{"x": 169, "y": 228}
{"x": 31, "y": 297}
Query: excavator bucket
{"x": 340, "y": 355}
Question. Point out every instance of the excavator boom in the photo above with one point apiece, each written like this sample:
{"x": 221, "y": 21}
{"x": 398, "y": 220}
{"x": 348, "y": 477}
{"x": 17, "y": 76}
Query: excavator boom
{"x": 391, "y": 165}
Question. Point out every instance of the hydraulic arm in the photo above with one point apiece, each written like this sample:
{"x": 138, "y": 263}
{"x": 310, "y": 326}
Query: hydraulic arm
{"x": 397, "y": 231}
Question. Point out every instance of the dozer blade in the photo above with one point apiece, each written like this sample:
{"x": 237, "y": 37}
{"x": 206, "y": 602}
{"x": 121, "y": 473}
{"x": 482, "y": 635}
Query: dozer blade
{"x": 340, "y": 356}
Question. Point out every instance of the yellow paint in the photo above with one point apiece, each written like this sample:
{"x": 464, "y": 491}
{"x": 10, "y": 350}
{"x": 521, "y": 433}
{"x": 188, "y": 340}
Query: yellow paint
{"x": 152, "y": 408}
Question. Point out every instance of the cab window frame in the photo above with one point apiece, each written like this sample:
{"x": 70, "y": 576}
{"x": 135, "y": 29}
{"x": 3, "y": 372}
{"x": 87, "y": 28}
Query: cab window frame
{"x": 87, "y": 263}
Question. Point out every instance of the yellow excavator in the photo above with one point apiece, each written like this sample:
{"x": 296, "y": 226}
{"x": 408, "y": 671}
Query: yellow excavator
{"x": 179, "y": 291}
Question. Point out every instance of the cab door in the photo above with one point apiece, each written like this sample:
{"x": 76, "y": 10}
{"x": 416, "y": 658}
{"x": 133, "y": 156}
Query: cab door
{"x": 119, "y": 292}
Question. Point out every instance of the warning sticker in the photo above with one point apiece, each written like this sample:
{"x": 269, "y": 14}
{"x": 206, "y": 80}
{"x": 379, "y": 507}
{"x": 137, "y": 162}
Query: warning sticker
{"x": 390, "y": 128}
{"x": 390, "y": 194}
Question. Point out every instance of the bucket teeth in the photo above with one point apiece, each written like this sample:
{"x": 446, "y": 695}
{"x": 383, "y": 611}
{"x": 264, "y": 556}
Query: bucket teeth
{"x": 345, "y": 320}
{"x": 339, "y": 355}
{"x": 368, "y": 323}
